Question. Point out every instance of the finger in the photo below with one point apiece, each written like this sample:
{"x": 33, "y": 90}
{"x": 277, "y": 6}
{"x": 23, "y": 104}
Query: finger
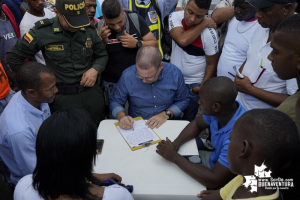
{"x": 83, "y": 79}
{"x": 167, "y": 139}
{"x": 149, "y": 121}
{"x": 131, "y": 120}
{"x": 158, "y": 125}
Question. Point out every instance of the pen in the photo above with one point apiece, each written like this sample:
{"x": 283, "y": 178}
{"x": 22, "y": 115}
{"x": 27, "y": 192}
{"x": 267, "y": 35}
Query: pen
{"x": 261, "y": 61}
{"x": 147, "y": 142}
{"x": 231, "y": 74}
{"x": 129, "y": 121}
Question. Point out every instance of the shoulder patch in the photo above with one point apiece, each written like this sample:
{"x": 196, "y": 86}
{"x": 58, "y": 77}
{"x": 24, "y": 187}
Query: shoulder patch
{"x": 43, "y": 22}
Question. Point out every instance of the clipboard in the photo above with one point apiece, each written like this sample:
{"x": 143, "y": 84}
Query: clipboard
{"x": 131, "y": 136}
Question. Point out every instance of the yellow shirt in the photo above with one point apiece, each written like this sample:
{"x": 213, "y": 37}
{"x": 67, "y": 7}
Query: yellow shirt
{"x": 228, "y": 190}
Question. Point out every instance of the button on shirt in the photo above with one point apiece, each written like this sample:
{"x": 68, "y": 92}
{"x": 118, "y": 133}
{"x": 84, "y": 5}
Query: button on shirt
{"x": 220, "y": 137}
{"x": 147, "y": 100}
{"x": 20, "y": 122}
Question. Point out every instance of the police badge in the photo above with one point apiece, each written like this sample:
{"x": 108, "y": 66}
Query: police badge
{"x": 88, "y": 43}
{"x": 152, "y": 16}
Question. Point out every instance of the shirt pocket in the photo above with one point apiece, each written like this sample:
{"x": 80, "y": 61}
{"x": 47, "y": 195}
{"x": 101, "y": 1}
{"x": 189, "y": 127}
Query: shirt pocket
{"x": 87, "y": 54}
{"x": 260, "y": 77}
{"x": 57, "y": 57}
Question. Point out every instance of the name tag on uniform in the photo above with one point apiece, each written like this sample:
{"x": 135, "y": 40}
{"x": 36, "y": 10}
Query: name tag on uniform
{"x": 54, "y": 48}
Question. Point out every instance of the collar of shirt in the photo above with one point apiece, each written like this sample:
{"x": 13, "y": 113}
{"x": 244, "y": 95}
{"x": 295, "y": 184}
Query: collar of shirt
{"x": 145, "y": 1}
{"x": 33, "y": 110}
{"x": 229, "y": 126}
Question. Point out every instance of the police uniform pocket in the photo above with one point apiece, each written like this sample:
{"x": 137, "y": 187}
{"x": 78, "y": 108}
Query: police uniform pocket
{"x": 55, "y": 55}
{"x": 86, "y": 52}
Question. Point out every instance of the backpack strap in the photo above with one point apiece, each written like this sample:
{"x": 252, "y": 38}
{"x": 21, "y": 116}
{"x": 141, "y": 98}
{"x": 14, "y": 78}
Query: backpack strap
{"x": 135, "y": 20}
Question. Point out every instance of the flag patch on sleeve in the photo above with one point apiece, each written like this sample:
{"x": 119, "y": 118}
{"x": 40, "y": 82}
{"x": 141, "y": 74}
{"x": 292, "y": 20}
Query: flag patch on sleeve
{"x": 28, "y": 37}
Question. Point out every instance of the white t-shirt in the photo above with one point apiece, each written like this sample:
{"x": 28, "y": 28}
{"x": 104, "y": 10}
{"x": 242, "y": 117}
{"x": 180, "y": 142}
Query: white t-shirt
{"x": 25, "y": 191}
{"x": 28, "y": 22}
{"x": 192, "y": 67}
{"x": 259, "y": 69}
{"x": 236, "y": 45}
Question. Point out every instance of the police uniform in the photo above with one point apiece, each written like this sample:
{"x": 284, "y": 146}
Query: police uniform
{"x": 148, "y": 12}
{"x": 69, "y": 55}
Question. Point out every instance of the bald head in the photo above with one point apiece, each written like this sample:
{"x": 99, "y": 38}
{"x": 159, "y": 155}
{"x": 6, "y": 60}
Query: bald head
{"x": 220, "y": 90}
{"x": 147, "y": 57}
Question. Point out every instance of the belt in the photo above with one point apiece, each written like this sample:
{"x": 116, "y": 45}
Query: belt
{"x": 71, "y": 89}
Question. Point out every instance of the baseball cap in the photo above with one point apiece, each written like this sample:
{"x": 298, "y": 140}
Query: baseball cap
{"x": 267, "y": 3}
{"x": 74, "y": 12}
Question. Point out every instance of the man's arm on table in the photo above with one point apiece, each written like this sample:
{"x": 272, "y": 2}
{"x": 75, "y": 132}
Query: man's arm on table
{"x": 23, "y": 49}
{"x": 117, "y": 103}
{"x": 244, "y": 85}
{"x": 180, "y": 103}
{"x": 100, "y": 59}
{"x": 187, "y": 37}
{"x": 214, "y": 179}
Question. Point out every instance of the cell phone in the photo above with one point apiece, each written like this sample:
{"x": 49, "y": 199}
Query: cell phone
{"x": 100, "y": 143}
{"x": 238, "y": 74}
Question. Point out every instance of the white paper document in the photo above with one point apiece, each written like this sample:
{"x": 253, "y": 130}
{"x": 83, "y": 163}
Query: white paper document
{"x": 138, "y": 135}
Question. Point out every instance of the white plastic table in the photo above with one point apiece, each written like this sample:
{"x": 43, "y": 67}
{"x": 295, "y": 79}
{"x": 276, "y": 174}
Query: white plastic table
{"x": 151, "y": 175}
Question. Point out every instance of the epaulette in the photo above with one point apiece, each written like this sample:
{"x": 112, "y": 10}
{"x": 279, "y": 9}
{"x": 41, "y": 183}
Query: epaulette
{"x": 43, "y": 22}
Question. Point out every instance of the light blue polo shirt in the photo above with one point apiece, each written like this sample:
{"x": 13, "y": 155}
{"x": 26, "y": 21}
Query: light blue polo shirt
{"x": 220, "y": 138}
{"x": 20, "y": 122}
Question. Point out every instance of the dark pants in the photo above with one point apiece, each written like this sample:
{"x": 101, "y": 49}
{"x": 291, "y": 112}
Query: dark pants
{"x": 91, "y": 100}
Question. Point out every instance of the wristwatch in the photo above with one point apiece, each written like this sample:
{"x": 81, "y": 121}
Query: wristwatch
{"x": 168, "y": 113}
{"x": 139, "y": 44}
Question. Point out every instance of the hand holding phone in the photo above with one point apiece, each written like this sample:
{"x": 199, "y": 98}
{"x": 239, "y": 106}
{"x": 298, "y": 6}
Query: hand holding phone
{"x": 238, "y": 74}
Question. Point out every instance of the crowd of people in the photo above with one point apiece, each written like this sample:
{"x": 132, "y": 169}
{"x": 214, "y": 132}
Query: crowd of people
{"x": 64, "y": 70}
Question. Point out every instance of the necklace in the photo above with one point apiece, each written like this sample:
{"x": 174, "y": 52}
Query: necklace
{"x": 3, "y": 14}
{"x": 237, "y": 28}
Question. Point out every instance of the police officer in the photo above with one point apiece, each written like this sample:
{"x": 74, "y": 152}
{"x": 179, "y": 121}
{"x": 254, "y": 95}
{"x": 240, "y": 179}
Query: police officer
{"x": 73, "y": 49}
{"x": 147, "y": 10}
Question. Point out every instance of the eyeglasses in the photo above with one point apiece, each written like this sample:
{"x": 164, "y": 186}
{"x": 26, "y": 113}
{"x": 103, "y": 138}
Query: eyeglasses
{"x": 261, "y": 73}
{"x": 146, "y": 78}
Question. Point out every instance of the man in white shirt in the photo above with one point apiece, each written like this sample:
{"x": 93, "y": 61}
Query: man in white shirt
{"x": 261, "y": 87}
{"x": 194, "y": 49}
{"x": 35, "y": 12}
{"x": 240, "y": 32}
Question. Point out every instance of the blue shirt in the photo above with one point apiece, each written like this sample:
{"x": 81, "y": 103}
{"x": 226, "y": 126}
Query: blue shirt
{"x": 147, "y": 100}
{"x": 20, "y": 122}
{"x": 220, "y": 137}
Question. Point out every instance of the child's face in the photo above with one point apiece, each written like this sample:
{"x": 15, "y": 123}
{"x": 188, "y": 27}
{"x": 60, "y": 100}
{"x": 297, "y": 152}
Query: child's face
{"x": 284, "y": 56}
{"x": 37, "y": 4}
{"x": 234, "y": 149}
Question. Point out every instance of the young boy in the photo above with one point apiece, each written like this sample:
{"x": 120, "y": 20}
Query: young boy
{"x": 35, "y": 12}
{"x": 259, "y": 137}
{"x": 285, "y": 58}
